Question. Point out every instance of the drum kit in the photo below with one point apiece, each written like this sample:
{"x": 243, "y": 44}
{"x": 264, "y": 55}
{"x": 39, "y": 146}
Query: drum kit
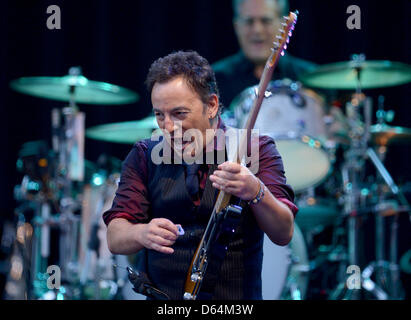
{"x": 60, "y": 198}
{"x": 333, "y": 191}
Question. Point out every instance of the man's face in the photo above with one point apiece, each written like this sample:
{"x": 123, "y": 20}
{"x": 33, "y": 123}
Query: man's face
{"x": 256, "y": 26}
{"x": 178, "y": 108}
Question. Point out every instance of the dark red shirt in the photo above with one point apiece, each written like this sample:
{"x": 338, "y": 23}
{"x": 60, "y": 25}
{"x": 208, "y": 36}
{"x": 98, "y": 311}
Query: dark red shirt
{"x": 131, "y": 200}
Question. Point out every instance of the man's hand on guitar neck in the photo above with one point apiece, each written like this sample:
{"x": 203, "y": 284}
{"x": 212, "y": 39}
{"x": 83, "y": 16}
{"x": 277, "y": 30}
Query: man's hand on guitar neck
{"x": 236, "y": 179}
{"x": 273, "y": 216}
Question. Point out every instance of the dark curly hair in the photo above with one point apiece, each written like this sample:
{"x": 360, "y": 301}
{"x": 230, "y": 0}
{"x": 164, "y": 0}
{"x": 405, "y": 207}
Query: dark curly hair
{"x": 189, "y": 64}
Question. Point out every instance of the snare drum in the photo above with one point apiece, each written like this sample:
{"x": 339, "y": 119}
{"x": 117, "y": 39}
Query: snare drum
{"x": 294, "y": 117}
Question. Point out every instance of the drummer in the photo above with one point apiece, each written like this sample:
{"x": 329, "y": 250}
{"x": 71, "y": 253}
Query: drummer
{"x": 256, "y": 23}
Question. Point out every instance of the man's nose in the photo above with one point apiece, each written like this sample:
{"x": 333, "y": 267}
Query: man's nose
{"x": 257, "y": 26}
{"x": 169, "y": 124}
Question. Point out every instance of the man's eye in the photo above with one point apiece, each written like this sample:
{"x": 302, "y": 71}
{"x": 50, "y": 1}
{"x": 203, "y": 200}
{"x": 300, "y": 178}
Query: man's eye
{"x": 267, "y": 21}
{"x": 248, "y": 22}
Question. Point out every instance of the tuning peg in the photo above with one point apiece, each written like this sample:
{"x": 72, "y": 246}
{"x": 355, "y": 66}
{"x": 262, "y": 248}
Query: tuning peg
{"x": 290, "y": 33}
{"x": 288, "y": 40}
{"x": 286, "y": 18}
{"x": 283, "y": 24}
{"x": 285, "y": 47}
{"x": 282, "y": 53}
{"x": 279, "y": 37}
{"x": 276, "y": 44}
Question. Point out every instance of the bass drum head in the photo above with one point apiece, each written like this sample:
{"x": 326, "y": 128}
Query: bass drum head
{"x": 294, "y": 117}
{"x": 284, "y": 266}
{"x": 306, "y": 163}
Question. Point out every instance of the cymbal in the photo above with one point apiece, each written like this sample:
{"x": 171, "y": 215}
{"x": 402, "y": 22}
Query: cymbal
{"x": 383, "y": 134}
{"x": 124, "y": 132}
{"x": 343, "y": 75}
{"x": 85, "y": 91}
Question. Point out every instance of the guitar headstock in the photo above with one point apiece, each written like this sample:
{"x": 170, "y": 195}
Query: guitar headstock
{"x": 283, "y": 36}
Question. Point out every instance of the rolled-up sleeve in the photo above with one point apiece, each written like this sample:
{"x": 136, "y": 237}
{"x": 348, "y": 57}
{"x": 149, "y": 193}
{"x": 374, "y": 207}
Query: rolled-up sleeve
{"x": 131, "y": 199}
{"x": 271, "y": 173}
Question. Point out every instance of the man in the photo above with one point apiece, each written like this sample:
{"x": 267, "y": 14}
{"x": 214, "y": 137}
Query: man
{"x": 152, "y": 199}
{"x": 256, "y": 22}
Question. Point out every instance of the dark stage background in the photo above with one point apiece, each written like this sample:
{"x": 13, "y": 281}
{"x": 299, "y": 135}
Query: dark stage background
{"x": 116, "y": 41}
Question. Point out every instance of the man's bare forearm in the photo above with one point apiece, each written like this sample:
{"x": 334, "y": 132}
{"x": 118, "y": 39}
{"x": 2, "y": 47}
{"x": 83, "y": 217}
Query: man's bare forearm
{"x": 123, "y": 236}
{"x": 274, "y": 218}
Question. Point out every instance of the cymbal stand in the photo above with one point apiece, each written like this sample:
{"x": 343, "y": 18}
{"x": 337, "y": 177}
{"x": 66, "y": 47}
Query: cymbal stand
{"x": 352, "y": 168}
{"x": 392, "y": 265}
{"x": 68, "y": 142}
{"x": 381, "y": 266}
{"x": 355, "y": 157}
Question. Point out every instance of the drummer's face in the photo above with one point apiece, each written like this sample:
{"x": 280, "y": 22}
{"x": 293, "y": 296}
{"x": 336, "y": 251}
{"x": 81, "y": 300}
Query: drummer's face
{"x": 256, "y": 26}
{"x": 177, "y": 108}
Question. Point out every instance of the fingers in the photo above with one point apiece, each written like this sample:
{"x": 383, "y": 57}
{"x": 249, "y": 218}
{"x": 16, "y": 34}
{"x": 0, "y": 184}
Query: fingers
{"x": 230, "y": 167}
{"x": 226, "y": 175}
{"x": 166, "y": 224}
{"x": 162, "y": 249}
{"x": 161, "y": 241}
{"x": 221, "y": 182}
{"x": 161, "y": 235}
{"x": 235, "y": 179}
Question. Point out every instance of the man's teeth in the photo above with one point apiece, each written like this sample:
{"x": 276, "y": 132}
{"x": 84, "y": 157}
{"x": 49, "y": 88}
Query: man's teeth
{"x": 179, "y": 143}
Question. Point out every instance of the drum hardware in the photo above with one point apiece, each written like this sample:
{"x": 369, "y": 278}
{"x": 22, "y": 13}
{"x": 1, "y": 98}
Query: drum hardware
{"x": 344, "y": 75}
{"x": 355, "y": 156}
{"x": 124, "y": 132}
{"x": 66, "y": 169}
{"x": 104, "y": 186}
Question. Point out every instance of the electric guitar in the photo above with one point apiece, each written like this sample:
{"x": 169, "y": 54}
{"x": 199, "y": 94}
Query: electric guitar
{"x": 222, "y": 209}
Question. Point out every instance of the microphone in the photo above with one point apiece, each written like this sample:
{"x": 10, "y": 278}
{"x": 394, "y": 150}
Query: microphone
{"x": 144, "y": 286}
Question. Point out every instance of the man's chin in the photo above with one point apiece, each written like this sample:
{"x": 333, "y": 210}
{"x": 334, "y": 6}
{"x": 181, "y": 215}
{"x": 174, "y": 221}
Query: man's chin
{"x": 187, "y": 153}
{"x": 256, "y": 57}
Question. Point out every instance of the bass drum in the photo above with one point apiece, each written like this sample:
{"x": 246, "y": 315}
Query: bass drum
{"x": 294, "y": 118}
{"x": 285, "y": 273}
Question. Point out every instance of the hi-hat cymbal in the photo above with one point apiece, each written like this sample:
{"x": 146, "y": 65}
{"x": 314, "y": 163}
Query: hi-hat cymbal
{"x": 383, "y": 135}
{"x": 343, "y": 75}
{"x": 85, "y": 91}
{"x": 124, "y": 132}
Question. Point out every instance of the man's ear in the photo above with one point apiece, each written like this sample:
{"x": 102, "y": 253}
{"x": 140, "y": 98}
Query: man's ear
{"x": 212, "y": 107}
